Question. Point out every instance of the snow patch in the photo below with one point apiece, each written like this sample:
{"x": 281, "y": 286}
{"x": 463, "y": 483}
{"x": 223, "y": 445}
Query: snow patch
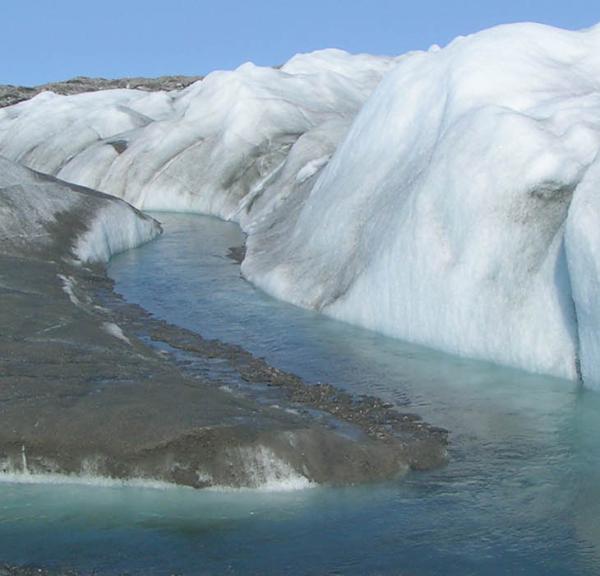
{"x": 115, "y": 330}
{"x": 68, "y": 285}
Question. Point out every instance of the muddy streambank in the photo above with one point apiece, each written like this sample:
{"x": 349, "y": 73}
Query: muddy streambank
{"x": 84, "y": 391}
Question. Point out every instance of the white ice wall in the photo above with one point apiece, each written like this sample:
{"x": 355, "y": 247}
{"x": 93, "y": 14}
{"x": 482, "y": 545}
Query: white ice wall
{"x": 440, "y": 217}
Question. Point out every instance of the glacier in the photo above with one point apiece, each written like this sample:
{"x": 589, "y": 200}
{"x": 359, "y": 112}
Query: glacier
{"x": 440, "y": 218}
{"x": 446, "y": 197}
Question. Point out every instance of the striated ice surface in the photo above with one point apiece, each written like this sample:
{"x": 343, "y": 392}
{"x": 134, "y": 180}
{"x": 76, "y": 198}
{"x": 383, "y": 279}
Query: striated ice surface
{"x": 200, "y": 149}
{"x": 114, "y": 228}
{"x": 42, "y": 215}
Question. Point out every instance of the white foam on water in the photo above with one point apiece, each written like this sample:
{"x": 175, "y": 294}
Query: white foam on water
{"x": 267, "y": 472}
{"x": 85, "y": 480}
{"x": 288, "y": 484}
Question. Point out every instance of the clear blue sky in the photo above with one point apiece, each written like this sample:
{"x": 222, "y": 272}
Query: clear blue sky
{"x": 44, "y": 40}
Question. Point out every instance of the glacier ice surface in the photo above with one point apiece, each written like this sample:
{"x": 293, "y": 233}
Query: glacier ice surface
{"x": 444, "y": 197}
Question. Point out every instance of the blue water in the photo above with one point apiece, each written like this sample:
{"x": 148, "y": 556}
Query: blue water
{"x": 521, "y": 494}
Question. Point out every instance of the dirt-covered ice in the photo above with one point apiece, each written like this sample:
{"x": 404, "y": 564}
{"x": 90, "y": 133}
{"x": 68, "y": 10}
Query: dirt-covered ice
{"x": 81, "y": 394}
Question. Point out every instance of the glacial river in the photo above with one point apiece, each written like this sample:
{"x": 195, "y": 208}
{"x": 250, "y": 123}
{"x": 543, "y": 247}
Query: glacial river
{"x": 521, "y": 494}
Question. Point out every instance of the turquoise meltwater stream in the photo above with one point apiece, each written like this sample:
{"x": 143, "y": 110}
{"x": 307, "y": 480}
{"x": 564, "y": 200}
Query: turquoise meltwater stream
{"x": 521, "y": 494}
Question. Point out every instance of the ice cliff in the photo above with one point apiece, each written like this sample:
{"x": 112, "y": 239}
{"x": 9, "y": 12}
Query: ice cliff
{"x": 451, "y": 203}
